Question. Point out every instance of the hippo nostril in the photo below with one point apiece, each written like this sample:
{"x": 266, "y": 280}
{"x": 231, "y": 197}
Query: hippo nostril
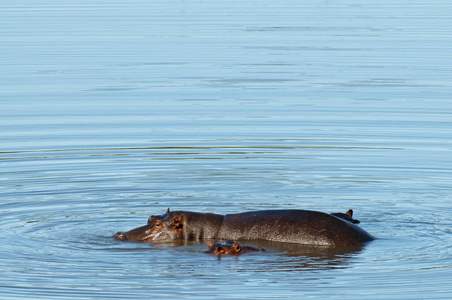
{"x": 120, "y": 236}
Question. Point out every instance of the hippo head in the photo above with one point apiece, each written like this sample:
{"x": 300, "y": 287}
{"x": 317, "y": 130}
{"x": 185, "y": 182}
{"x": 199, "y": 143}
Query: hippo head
{"x": 167, "y": 227}
{"x": 228, "y": 248}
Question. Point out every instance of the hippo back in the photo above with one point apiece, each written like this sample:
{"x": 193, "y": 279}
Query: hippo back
{"x": 292, "y": 226}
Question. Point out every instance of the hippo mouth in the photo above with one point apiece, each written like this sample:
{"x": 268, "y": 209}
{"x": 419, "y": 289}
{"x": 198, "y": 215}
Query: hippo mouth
{"x": 123, "y": 237}
{"x": 120, "y": 236}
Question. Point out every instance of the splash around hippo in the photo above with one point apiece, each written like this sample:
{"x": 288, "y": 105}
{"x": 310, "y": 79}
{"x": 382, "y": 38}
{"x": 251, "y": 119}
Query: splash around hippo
{"x": 288, "y": 226}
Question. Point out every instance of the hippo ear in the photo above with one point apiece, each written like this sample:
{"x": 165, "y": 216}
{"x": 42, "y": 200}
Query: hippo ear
{"x": 209, "y": 245}
{"x": 167, "y": 211}
{"x": 350, "y": 213}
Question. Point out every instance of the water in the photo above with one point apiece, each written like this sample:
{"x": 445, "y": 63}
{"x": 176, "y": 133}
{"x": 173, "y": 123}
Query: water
{"x": 112, "y": 112}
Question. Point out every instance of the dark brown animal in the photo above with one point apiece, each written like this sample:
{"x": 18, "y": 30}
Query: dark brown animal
{"x": 289, "y": 226}
{"x": 230, "y": 248}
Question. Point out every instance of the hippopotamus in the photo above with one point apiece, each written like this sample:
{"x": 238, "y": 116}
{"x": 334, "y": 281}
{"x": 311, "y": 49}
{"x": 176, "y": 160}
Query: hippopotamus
{"x": 288, "y": 226}
{"x": 230, "y": 248}
{"x": 347, "y": 216}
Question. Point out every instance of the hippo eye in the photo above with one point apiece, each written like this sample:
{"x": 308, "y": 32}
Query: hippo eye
{"x": 238, "y": 248}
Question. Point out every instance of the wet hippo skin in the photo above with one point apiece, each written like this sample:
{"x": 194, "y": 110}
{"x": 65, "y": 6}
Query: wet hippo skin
{"x": 288, "y": 226}
{"x": 292, "y": 226}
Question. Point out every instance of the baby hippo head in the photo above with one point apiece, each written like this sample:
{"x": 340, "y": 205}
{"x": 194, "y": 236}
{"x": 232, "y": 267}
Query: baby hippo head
{"x": 230, "y": 248}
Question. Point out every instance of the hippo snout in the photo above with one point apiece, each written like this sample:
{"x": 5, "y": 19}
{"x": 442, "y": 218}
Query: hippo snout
{"x": 120, "y": 236}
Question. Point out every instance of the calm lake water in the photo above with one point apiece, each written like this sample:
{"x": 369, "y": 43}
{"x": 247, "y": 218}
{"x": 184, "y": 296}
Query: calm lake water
{"x": 111, "y": 112}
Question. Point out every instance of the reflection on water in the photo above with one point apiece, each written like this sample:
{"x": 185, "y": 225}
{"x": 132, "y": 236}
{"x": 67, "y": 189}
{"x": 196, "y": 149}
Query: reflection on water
{"x": 293, "y": 257}
{"x": 111, "y": 112}
{"x": 277, "y": 257}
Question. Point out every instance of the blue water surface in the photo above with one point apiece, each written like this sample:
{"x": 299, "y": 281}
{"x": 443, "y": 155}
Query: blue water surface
{"x": 111, "y": 111}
